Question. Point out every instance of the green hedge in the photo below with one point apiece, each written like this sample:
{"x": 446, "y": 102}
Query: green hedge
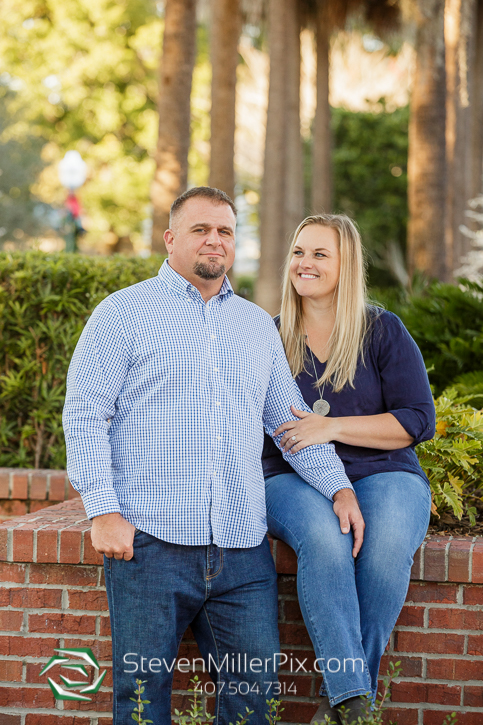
{"x": 45, "y": 301}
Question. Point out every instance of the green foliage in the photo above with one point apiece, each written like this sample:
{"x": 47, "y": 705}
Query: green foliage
{"x": 137, "y": 715}
{"x": 45, "y": 301}
{"x": 452, "y": 460}
{"x": 368, "y": 149}
{"x": 446, "y": 321}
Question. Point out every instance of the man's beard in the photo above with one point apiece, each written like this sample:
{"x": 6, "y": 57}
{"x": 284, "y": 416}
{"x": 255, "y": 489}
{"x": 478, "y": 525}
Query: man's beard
{"x": 210, "y": 270}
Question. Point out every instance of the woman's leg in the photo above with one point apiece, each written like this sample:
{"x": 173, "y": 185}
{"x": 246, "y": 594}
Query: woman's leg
{"x": 305, "y": 520}
{"x": 396, "y": 508}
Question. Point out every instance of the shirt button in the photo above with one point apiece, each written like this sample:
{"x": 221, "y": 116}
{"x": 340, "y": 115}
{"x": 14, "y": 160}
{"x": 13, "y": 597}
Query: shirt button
{"x": 217, "y": 370}
{"x": 217, "y": 402}
{"x": 219, "y": 438}
{"x": 213, "y": 337}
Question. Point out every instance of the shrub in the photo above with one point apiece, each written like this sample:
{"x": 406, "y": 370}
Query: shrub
{"x": 45, "y": 301}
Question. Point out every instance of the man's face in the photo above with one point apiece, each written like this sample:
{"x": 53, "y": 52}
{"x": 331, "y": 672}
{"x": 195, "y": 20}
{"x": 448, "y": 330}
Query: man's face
{"x": 201, "y": 243}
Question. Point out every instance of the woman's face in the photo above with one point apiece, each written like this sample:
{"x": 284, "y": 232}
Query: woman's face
{"x": 315, "y": 263}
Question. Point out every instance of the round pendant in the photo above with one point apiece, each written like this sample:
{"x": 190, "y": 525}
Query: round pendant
{"x": 321, "y": 407}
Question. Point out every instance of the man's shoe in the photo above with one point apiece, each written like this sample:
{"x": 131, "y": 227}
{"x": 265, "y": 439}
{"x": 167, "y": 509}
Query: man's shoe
{"x": 349, "y": 711}
{"x": 323, "y": 710}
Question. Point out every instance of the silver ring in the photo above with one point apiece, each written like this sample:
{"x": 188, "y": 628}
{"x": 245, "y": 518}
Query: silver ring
{"x": 294, "y": 438}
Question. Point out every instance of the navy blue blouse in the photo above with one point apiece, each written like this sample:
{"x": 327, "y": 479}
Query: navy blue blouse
{"x": 393, "y": 380}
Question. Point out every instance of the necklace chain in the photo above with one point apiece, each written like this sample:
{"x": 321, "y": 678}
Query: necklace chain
{"x": 321, "y": 407}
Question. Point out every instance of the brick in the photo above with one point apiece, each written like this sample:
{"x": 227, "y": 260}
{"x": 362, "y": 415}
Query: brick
{"x": 473, "y": 595}
{"x": 24, "y": 646}
{"x": 102, "y": 648}
{"x": 293, "y": 634}
{"x": 10, "y": 671}
{"x": 105, "y": 627}
{"x": 300, "y": 686}
{"x": 298, "y": 712}
{"x": 459, "y": 560}
{"x": 70, "y": 546}
{"x": 4, "y": 484}
{"x": 35, "y": 598}
{"x": 286, "y": 559}
{"x": 435, "y": 593}
{"x": 292, "y": 611}
{"x": 455, "y": 619}
{"x": 432, "y": 643}
{"x": 28, "y": 697}
{"x": 80, "y": 576}
{"x": 12, "y": 573}
{"x": 3, "y": 544}
{"x": 57, "y": 487}
{"x": 6, "y": 719}
{"x": 400, "y": 717}
{"x": 90, "y": 554}
{"x": 38, "y": 486}
{"x": 12, "y": 509}
{"x": 23, "y": 544}
{"x": 451, "y": 669}
{"x": 475, "y": 644}
{"x": 101, "y": 701}
{"x": 436, "y": 717}
{"x": 104, "y": 721}
{"x": 416, "y": 567}
{"x": 287, "y": 585}
{"x": 71, "y": 492}
{"x": 39, "y": 719}
{"x": 53, "y": 622}
{"x": 47, "y": 545}
{"x": 38, "y": 505}
{"x": 477, "y": 564}
{"x": 418, "y": 692}
{"x": 10, "y": 621}
{"x": 410, "y": 666}
{"x": 90, "y": 600}
{"x": 434, "y": 560}
{"x": 19, "y": 485}
{"x": 473, "y": 696}
{"x": 411, "y": 617}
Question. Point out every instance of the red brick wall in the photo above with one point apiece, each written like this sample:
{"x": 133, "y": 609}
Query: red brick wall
{"x": 53, "y": 596}
{"x": 25, "y": 490}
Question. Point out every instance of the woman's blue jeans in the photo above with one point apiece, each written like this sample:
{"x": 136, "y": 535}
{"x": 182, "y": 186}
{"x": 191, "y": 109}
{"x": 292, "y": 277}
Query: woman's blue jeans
{"x": 350, "y": 606}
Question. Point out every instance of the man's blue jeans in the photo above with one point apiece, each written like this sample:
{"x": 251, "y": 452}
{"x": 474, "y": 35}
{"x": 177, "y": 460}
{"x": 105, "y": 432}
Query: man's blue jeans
{"x": 351, "y": 606}
{"x": 228, "y": 596}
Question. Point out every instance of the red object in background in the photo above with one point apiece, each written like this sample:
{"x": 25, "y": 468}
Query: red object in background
{"x": 72, "y": 203}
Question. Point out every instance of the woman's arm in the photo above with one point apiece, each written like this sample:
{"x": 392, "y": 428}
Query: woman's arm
{"x": 381, "y": 431}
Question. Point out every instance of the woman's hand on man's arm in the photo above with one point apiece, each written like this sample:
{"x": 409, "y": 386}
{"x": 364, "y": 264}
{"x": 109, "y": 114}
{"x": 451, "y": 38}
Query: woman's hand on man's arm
{"x": 381, "y": 431}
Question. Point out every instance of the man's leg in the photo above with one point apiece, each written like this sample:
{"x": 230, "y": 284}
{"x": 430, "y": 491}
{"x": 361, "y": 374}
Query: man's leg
{"x": 237, "y": 630}
{"x": 152, "y": 600}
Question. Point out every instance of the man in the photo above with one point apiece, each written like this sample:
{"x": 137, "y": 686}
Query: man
{"x": 169, "y": 388}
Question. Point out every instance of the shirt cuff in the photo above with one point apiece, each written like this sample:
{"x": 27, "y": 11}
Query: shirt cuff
{"x": 413, "y": 425}
{"x": 336, "y": 481}
{"x": 100, "y": 501}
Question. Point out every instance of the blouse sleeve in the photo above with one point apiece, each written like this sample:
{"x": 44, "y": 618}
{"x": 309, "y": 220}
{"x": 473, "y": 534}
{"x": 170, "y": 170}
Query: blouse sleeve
{"x": 404, "y": 381}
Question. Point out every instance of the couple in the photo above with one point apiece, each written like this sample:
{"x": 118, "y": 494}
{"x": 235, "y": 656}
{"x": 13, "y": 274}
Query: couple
{"x": 169, "y": 389}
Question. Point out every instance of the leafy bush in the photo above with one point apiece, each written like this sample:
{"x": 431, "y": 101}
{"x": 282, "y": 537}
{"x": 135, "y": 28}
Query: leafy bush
{"x": 452, "y": 460}
{"x": 45, "y": 301}
{"x": 446, "y": 322}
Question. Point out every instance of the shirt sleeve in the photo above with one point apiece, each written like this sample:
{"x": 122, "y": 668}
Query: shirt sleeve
{"x": 319, "y": 465}
{"x": 404, "y": 381}
{"x": 96, "y": 375}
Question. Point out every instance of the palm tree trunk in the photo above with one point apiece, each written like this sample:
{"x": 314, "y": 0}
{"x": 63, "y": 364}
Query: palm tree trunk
{"x": 294, "y": 174}
{"x": 458, "y": 23}
{"x": 476, "y": 107}
{"x": 273, "y": 246}
{"x": 177, "y": 63}
{"x": 225, "y": 32}
{"x": 427, "y": 156}
{"x": 322, "y": 137}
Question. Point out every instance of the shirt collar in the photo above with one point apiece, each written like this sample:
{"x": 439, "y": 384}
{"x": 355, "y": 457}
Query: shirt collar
{"x": 176, "y": 282}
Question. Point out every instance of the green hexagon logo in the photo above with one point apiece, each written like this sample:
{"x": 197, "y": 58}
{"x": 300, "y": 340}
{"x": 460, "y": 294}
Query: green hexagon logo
{"x": 66, "y": 691}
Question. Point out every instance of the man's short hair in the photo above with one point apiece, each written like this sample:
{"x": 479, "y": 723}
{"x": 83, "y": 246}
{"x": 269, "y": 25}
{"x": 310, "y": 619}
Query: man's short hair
{"x": 206, "y": 192}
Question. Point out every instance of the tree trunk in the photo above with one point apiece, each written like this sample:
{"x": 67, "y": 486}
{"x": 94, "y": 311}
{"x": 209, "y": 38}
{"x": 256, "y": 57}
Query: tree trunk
{"x": 476, "y": 107}
{"x": 225, "y": 31}
{"x": 177, "y": 63}
{"x": 273, "y": 245}
{"x": 427, "y": 157}
{"x": 459, "y": 15}
{"x": 321, "y": 136}
{"x": 294, "y": 169}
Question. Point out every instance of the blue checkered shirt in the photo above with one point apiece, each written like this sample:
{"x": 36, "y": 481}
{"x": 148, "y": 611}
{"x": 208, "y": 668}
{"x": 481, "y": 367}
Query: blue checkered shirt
{"x": 167, "y": 399}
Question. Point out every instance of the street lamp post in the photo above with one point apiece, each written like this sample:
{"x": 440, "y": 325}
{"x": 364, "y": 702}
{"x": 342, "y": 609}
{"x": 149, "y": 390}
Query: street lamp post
{"x": 72, "y": 174}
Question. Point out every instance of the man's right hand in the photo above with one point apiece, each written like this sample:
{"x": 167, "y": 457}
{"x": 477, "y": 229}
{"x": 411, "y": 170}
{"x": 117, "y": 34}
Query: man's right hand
{"x": 347, "y": 509}
{"x": 113, "y": 536}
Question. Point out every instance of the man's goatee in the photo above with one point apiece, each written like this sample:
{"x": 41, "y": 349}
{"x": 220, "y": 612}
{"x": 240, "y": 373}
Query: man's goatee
{"x": 212, "y": 270}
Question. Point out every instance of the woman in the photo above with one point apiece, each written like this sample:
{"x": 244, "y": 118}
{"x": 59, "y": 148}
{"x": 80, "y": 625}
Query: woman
{"x": 363, "y": 375}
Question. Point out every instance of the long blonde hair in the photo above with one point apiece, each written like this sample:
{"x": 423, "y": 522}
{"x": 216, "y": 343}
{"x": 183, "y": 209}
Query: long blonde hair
{"x": 346, "y": 343}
